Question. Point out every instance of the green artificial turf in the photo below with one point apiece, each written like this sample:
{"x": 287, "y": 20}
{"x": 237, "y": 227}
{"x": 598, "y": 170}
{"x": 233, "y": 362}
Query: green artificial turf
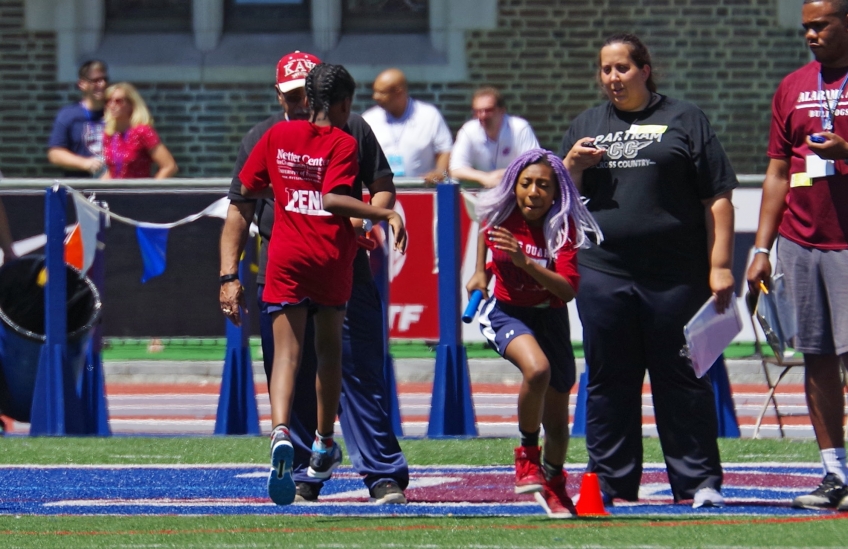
{"x": 418, "y": 451}
{"x": 239, "y": 531}
{"x": 313, "y": 532}
{"x": 117, "y": 349}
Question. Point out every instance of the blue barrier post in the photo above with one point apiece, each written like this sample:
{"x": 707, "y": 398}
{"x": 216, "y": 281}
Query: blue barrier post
{"x": 51, "y": 391}
{"x": 380, "y": 262}
{"x": 451, "y": 409}
{"x": 578, "y": 428}
{"x": 92, "y": 393}
{"x": 237, "y": 413}
{"x": 728, "y": 425}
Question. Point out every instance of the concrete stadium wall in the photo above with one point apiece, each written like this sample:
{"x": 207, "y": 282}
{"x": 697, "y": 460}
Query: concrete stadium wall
{"x": 727, "y": 56}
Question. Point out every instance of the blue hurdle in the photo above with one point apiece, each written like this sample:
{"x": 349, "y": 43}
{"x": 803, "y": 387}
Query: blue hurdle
{"x": 92, "y": 393}
{"x": 451, "y": 409}
{"x": 64, "y": 402}
{"x": 237, "y": 412}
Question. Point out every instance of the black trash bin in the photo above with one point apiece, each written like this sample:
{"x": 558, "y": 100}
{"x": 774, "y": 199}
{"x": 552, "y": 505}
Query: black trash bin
{"x": 22, "y": 328}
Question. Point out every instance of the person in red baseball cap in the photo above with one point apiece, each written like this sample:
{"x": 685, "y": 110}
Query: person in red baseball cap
{"x": 372, "y": 446}
{"x": 292, "y": 70}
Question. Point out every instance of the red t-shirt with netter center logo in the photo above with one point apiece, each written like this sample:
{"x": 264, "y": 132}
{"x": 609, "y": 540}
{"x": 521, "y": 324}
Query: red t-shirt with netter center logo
{"x": 311, "y": 251}
{"x": 512, "y": 284}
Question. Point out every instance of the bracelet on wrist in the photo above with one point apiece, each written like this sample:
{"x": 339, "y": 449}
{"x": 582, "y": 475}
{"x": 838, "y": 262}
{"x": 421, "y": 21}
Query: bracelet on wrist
{"x": 762, "y": 251}
{"x": 229, "y": 277}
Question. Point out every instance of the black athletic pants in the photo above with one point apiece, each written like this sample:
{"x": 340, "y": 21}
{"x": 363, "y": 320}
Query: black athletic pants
{"x": 629, "y": 327}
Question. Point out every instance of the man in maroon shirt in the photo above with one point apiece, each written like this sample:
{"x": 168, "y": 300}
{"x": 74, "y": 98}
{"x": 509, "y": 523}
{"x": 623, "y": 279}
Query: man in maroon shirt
{"x": 805, "y": 207}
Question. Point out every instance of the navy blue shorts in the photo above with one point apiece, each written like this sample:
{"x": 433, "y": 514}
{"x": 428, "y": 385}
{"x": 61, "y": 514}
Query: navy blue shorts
{"x": 271, "y": 308}
{"x": 500, "y": 323}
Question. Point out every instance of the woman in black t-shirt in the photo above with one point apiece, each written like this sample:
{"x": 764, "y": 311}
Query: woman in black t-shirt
{"x": 659, "y": 185}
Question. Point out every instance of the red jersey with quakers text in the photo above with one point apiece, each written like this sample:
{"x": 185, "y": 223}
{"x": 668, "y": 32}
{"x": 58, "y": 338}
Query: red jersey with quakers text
{"x": 816, "y": 212}
{"x": 512, "y": 284}
{"x": 311, "y": 251}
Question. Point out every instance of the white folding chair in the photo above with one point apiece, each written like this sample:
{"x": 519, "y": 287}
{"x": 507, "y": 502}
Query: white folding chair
{"x": 769, "y": 362}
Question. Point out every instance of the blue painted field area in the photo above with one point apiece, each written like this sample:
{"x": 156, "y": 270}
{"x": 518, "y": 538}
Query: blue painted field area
{"x": 750, "y": 489}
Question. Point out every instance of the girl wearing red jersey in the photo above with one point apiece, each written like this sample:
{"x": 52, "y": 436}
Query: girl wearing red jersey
{"x": 310, "y": 166}
{"x": 533, "y": 223}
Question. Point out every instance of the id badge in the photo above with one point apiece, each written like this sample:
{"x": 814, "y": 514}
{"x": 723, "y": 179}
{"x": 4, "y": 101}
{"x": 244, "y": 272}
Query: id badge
{"x": 819, "y": 167}
{"x": 396, "y": 164}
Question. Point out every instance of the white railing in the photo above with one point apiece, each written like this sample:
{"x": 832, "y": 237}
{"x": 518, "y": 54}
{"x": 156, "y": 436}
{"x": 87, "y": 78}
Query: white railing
{"x": 12, "y": 185}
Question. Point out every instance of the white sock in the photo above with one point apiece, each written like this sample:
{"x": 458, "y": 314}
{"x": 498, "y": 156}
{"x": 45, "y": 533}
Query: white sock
{"x": 322, "y": 442}
{"x": 833, "y": 460}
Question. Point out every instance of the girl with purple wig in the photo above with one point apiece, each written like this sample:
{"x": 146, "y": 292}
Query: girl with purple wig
{"x": 533, "y": 222}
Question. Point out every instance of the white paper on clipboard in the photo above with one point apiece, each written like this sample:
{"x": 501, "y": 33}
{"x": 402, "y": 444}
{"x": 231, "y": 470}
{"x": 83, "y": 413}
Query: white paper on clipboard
{"x": 709, "y": 333}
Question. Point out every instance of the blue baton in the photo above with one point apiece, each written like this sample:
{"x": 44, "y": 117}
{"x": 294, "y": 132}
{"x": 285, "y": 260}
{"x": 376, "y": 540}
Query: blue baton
{"x": 473, "y": 305}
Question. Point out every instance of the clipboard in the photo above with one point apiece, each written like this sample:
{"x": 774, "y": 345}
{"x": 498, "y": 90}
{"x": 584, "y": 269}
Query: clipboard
{"x": 776, "y": 314}
{"x": 709, "y": 333}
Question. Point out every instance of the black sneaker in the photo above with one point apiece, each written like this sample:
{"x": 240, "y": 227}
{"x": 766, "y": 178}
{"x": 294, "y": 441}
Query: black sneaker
{"x": 387, "y": 491}
{"x": 306, "y": 491}
{"x": 843, "y": 505}
{"x": 322, "y": 462}
{"x": 828, "y": 495}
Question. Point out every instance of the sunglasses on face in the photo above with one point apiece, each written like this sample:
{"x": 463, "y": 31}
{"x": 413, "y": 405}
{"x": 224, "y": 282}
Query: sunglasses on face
{"x": 117, "y": 100}
{"x": 101, "y": 80}
{"x": 292, "y": 97}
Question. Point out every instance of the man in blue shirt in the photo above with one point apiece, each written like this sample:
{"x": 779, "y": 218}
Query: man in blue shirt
{"x": 77, "y": 138}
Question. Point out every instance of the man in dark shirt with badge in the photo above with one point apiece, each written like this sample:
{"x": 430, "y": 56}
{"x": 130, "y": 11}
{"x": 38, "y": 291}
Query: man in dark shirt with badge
{"x": 366, "y": 426}
{"x": 805, "y": 208}
{"x": 76, "y": 141}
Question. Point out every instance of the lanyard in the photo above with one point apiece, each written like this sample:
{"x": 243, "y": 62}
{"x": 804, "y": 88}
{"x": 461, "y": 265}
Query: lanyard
{"x": 828, "y": 109}
{"x": 394, "y": 122}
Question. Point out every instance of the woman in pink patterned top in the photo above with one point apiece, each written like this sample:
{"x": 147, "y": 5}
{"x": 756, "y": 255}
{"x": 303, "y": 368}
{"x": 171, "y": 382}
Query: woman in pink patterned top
{"x": 130, "y": 144}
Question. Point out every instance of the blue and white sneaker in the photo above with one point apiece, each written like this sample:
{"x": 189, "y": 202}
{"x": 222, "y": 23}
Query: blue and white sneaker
{"x": 323, "y": 461}
{"x": 281, "y": 487}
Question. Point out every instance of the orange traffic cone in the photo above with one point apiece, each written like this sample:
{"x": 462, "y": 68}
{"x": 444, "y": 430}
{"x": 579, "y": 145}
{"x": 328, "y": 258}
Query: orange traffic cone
{"x": 590, "y": 503}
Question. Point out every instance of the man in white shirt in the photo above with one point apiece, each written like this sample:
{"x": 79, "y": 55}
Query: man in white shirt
{"x": 413, "y": 134}
{"x": 486, "y": 145}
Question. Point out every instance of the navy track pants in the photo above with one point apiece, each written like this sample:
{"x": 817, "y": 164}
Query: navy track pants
{"x": 370, "y": 441}
{"x": 630, "y": 327}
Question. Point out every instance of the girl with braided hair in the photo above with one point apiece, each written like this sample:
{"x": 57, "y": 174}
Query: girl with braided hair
{"x": 309, "y": 166}
{"x": 533, "y": 222}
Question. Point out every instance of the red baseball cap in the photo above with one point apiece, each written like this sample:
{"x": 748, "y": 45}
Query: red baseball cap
{"x": 292, "y": 70}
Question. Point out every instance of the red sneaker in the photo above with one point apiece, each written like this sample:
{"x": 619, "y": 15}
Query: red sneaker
{"x": 554, "y": 499}
{"x": 528, "y": 471}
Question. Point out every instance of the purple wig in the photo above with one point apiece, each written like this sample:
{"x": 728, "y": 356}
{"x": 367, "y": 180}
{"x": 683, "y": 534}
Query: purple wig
{"x": 496, "y": 204}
